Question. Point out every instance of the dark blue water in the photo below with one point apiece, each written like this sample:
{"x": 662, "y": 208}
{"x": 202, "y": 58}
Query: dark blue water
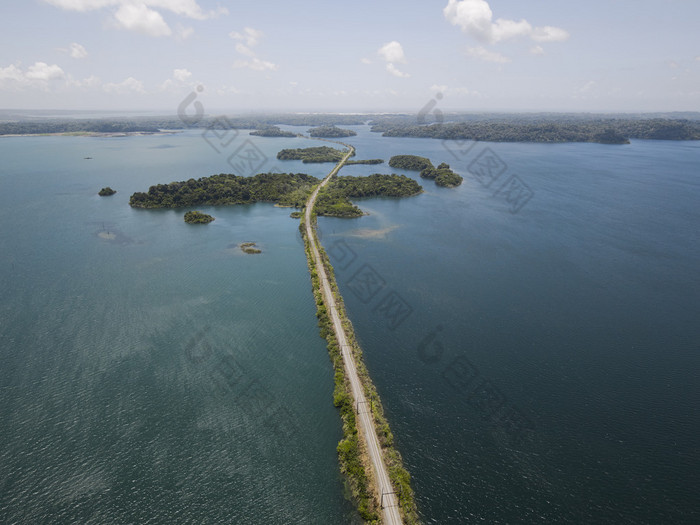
{"x": 537, "y": 366}
{"x": 543, "y": 364}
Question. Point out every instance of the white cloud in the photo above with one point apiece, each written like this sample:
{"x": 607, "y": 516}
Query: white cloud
{"x": 475, "y": 18}
{"x": 537, "y": 50}
{"x": 130, "y": 85}
{"x": 182, "y": 75}
{"x": 255, "y": 64}
{"x": 244, "y": 50}
{"x": 77, "y": 51}
{"x": 365, "y": 61}
{"x": 143, "y": 16}
{"x": 179, "y": 79}
{"x": 37, "y": 75}
{"x": 250, "y": 36}
{"x": 392, "y": 52}
{"x": 247, "y": 40}
{"x": 43, "y": 71}
{"x": 11, "y": 73}
{"x": 139, "y": 18}
{"x": 391, "y": 68}
{"x": 484, "y": 54}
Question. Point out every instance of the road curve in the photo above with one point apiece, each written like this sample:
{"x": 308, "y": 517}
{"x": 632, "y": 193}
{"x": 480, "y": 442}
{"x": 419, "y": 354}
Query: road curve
{"x": 365, "y": 420}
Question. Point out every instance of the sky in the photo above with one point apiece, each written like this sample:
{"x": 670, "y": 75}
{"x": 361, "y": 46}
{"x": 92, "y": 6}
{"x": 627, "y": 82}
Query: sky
{"x": 360, "y": 56}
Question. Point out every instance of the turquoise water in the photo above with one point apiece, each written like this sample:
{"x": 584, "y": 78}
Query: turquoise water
{"x": 541, "y": 365}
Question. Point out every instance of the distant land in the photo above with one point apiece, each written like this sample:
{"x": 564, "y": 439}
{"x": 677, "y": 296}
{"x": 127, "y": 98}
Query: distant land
{"x": 488, "y": 127}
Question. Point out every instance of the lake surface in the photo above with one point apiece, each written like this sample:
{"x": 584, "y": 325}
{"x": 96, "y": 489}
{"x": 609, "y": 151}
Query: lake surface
{"x": 533, "y": 334}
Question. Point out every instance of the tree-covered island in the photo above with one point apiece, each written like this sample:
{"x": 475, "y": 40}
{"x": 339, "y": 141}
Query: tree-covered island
{"x": 272, "y": 131}
{"x": 442, "y": 175}
{"x": 106, "y": 192}
{"x": 315, "y": 154}
{"x": 331, "y": 132}
{"x": 334, "y": 199}
{"x": 284, "y": 189}
{"x": 197, "y": 217}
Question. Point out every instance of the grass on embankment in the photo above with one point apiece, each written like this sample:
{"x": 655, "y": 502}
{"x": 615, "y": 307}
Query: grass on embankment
{"x": 354, "y": 463}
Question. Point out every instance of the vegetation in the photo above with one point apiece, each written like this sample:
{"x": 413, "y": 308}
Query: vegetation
{"x": 410, "y": 162}
{"x": 272, "y": 131}
{"x": 250, "y": 248}
{"x": 442, "y": 175}
{"x": 350, "y": 452}
{"x": 316, "y": 154}
{"x": 331, "y": 132}
{"x": 368, "y": 161}
{"x": 286, "y": 189}
{"x": 604, "y": 131}
{"x": 106, "y": 192}
{"x": 197, "y": 217}
{"x": 333, "y": 199}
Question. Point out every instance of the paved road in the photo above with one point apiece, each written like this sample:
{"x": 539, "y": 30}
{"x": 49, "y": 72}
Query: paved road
{"x": 390, "y": 510}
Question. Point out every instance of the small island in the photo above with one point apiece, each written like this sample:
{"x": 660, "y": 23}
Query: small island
{"x": 443, "y": 176}
{"x": 316, "y": 154}
{"x": 331, "y": 132}
{"x": 272, "y": 131}
{"x": 106, "y": 192}
{"x": 197, "y": 217}
{"x": 249, "y": 248}
{"x": 410, "y": 162}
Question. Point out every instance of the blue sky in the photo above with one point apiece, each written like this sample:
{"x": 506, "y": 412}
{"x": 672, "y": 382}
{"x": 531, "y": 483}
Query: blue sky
{"x": 386, "y": 55}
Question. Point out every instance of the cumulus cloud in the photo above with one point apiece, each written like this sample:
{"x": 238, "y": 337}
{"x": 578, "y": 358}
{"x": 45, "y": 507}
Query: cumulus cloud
{"x": 11, "y": 73}
{"x": 392, "y": 52}
{"x": 139, "y": 18}
{"x": 537, "y": 50}
{"x": 250, "y": 36}
{"x": 181, "y": 74}
{"x": 179, "y": 79}
{"x": 247, "y": 40}
{"x": 475, "y": 18}
{"x": 484, "y": 54}
{"x": 130, "y": 85}
{"x": 391, "y": 68}
{"x": 43, "y": 71}
{"x": 143, "y": 16}
{"x": 77, "y": 51}
{"x": 365, "y": 61}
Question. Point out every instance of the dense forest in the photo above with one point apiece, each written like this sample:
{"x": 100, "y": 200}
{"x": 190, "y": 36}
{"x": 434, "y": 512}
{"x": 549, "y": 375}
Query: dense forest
{"x": 287, "y": 189}
{"x": 494, "y": 127}
{"x": 410, "y": 162}
{"x": 272, "y": 131}
{"x": 316, "y": 154}
{"x": 368, "y": 161}
{"x": 331, "y": 132}
{"x": 197, "y": 217}
{"x": 333, "y": 199}
{"x": 443, "y": 175}
{"x": 604, "y": 131}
